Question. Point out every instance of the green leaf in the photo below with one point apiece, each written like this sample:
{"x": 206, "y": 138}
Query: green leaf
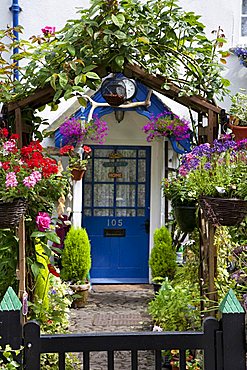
{"x": 119, "y": 60}
{"x": 63, "y": 80}
{"x": 81, "y": 78}
{"x": 71, "y": 50}
{"x": 40, "y": 109}
{"x": 54, "y": 107}
{"x": 78, "y": 88}
{"x": 53, "y": 237}
{"x": 53, "y": 81}
{"x": 57, "y": 94}
{"x": 36, "y": 267}
{"x": 118, "y": 20}
{"x": 120, "y": 35}
{"x": 92, "y": 76}
{"x": 82, "y": 101}
{"x": 88, "y": 68}
{"x": 143, "y": 39}
{"x": 68, "y": 94}
{"x": 73, "y": 65}
{"x": 38, "y": 234}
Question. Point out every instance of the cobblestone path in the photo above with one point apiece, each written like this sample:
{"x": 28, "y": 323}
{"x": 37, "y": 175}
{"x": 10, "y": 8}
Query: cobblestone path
{"x": 115, "y": 308}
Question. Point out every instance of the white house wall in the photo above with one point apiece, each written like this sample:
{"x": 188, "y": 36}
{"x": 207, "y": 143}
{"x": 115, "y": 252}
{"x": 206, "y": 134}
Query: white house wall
{"x": 36, "y": 14}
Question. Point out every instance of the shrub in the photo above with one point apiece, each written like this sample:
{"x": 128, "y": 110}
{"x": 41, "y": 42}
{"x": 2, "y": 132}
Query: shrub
{"x": 176, "y": 307}
{"x": 163, "y": 258}
{"x": 76, "y": 258}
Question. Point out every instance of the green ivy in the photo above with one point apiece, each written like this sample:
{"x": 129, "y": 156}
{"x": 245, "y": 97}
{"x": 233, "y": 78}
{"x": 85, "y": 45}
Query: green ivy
{"x": 156, "y": 35}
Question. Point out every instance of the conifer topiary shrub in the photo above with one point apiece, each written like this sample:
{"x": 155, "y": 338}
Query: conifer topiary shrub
{"x": 76, "y": 256}
{"x": 162, "y": 260}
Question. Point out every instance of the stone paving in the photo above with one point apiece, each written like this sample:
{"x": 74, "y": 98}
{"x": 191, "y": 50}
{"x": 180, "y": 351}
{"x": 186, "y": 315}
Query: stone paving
{"x": 115, "y": 308}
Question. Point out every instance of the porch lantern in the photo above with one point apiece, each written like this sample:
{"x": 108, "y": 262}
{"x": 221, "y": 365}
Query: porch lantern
{"x": 113, "y": 91}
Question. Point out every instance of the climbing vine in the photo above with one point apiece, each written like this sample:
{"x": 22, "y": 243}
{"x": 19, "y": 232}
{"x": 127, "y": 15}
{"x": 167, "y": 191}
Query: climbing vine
{"x": 157, "y": 35}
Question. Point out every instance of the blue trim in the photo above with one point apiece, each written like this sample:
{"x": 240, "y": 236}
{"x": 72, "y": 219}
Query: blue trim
{"x": 15, "y": 9}
{"x": 119, "y": 281}
{"x": 156, "y": 107}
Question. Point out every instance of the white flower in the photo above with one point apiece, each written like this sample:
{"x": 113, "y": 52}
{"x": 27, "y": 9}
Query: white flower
{"x": 220, "y": 190}
{"x": 157, "y": 328}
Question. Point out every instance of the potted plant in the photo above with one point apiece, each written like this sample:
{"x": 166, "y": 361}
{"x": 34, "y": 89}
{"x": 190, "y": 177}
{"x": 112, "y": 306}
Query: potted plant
{"x": 216, "y": 175}
{"x": 238, "y": 115}
{"x": 27, "y": 177}
{"x": 178, "y": 190}
{"x": 77, "y": 160}
{"x": 76, "y": 263}
{"x": 75, "y": 131}
{"x": 162, "y": 259}
{"x": 169, "y": 125}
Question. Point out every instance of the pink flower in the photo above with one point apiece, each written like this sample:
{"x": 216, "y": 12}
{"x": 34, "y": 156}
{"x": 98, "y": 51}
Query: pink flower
{"x": 43, "y": 221}
{"x": 48, "y": 30}
{"x": 11, "y": 180}
{"x": 31, "y": 180}
{"x": 9, "y": 146}
{"x": 183, "y": 171}
{"x": 36, "y": 175}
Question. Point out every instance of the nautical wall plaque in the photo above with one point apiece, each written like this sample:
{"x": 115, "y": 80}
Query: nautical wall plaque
{"x": 115, "y": 175}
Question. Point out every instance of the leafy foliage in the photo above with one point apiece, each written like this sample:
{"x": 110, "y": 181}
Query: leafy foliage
{"x": 217, "y": 170}
{"x": 54, "y": 319}
{"x": 156, "y": 35}
{"x": 8, "y": 260}
{"x": 239, "y": 108}
{"x": 76, "y": 259}
{"x": 177, "y": 305}
{"x": 163, "y": 258}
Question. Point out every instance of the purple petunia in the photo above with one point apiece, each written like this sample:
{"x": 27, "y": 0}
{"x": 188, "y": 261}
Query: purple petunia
{"x": 167, "y": 124}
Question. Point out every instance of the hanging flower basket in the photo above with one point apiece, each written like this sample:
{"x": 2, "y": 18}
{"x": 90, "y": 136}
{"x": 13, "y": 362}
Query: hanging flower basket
{"x": 185, "y": 217}
{"x": 11, "y": 212}
{"x": 223, "y": 211}
{"x": 77, "y": 175}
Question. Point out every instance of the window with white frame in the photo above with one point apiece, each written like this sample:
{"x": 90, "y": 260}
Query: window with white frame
{"x": 244, "y": 19}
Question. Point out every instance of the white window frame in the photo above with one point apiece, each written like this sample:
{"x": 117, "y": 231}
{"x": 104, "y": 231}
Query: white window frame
{"x": 243, "y": 38}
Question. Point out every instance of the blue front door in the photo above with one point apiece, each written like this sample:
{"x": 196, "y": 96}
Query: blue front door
{"x": 116, "y": 201}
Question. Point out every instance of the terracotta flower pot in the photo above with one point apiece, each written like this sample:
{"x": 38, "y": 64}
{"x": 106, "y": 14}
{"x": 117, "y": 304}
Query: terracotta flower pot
{"x": 240, "y": 132}
{"x": 77, "y": 175}
{"x": 81, "y": 292}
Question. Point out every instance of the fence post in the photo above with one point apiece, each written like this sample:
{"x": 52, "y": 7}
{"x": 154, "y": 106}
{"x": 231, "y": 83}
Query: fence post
{"x": 10, "y": 320}
{"x": 31, "y": 345}
{"x": 233, "y": 332}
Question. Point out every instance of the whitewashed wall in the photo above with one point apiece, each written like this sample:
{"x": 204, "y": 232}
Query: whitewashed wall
{"x": 37, "y": 14}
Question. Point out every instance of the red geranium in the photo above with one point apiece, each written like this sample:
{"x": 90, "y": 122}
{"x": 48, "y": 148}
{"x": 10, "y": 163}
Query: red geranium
{"x": 87, "y": 149}
{"x": 5, "y": 166}
{"x": 66, "y": 149}
{"x": 15, "y": 137}
{"x": 4, "y": 132}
